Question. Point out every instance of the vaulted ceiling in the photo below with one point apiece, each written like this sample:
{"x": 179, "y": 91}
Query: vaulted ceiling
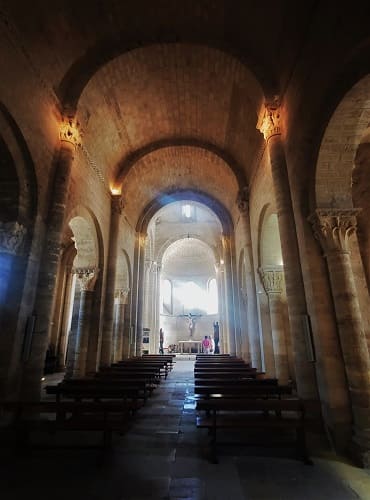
{"x": 168, "y": 93}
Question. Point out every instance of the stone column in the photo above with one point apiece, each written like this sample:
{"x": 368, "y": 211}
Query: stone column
{"x": 34, "y": 366}
{"x": 250, "y": 285}
{"x": 296, "y": 299}
{"x": 86, "y": 279}
{"x": 229, "y": 295}
{"x": 65, "y": 319}
{"x": 272, "y": 280}
{"x": 107, "y": 337}
{"x": 244, "y": 320}
{"x": 13, "y": 263}
{"x": 138, "y": 292}
{"x": 333, "y": 228}
{"x": 155, "y": 310}
{"x": 148, "y": 298}
{"x": 118, "y": 330}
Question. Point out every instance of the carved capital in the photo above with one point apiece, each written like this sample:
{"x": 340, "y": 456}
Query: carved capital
{"x": 70, "y": 132}
{"x": 12, "y": 238}
{"x": 333, "y": 228}
{"x": 117, "y": 203}
{"x": 269, "y": 122}
{"x": 243, "y": 200}
{"x": 86, "y": 277}
{"x": 121, "y": 295}
{"x": 272, "y": 279}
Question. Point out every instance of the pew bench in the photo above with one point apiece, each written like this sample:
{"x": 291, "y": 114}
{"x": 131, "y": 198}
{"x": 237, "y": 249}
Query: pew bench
{"x": 160, "y": 366}
{"x": 85, "y": 390}
{"x": 243, "y": 390}
{"x": 274, "y": 417}
{"x": 222, "y": 382}
{"x": 28, "y": 417}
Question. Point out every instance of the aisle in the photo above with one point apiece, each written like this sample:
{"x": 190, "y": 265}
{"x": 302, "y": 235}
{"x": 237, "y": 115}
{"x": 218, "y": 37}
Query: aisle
{"x": 162, "y": 457}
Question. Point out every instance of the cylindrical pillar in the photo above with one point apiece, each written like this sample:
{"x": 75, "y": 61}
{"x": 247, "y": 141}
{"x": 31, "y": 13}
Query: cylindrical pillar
{"x": 221, "y": 308}
{"x": 250, "y": 284}
{"x": 333, "y": 229}
{"x": 296, "y": 299}
{"x": 138, "y": 295}
{"x": 86, "y": 279}
{"x": 118, "y": 329}
{"x": 107, "y": 336}
{"x": 272, "y": 280}
{"x": 33, "y": 368}
{"x": 229, "y": 295}
{"x": 66, "y": 314}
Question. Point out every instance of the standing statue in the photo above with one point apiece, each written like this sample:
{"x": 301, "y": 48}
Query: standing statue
{"x": 216, "y": 337}
{"x": 161, "y": 339}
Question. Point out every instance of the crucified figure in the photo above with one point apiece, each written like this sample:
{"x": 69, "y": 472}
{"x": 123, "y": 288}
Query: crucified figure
{"x": 191, "y": 325}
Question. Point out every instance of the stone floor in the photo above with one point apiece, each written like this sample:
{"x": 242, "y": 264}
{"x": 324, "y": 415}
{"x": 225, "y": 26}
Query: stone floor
{"x": 163, "y": 457}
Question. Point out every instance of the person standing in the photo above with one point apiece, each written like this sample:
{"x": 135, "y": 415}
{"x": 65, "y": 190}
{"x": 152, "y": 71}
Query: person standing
{"x": 206, "y": 345}
{"x": 161, "y": 338}
{"x": 216, "y": 336}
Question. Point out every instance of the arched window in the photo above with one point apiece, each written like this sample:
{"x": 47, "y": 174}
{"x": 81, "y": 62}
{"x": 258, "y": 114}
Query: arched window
{"x": 166, "y": 297}
{"x": 212, "y": 296}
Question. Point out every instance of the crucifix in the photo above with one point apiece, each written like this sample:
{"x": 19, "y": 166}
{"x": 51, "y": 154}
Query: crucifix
{"x": 191, "y": 324}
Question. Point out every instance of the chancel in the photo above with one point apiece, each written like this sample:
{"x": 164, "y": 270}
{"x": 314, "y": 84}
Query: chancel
{"x": 169, "y": 171}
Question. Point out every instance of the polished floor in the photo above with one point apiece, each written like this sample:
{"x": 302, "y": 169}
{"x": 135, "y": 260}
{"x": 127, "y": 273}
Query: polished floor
{"x": 164, "y": 456}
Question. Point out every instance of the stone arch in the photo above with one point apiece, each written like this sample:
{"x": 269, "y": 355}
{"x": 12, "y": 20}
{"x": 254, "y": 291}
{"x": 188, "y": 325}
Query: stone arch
{"x": 83, "y": 254}
{"x": 272, "y": 298}
{"x": 228, "y": 247}
{"x": 18, "y": 172}
{"x": 341, "y": 180}
{"x": 188, "y": 264}
{"x": 82, "y": 71}
{"x": 19, "y": 247}
{"x": 339, "y": 147}
{"x": 183, "y": 195}
{"x": 361, "y": 199}
{"x": 129, "y": 161}
{"x": 170, "y": 241}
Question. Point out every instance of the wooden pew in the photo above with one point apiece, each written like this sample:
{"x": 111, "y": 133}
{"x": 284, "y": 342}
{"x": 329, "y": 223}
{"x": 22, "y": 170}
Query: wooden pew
{"x": 225, "y": 373}
{"x": 222, "y": 382}
{"x": 170, "y": 358}
{"x": 53, "y": 416}
{"x": 99, "y": 389}
{"x": 139, "y": 373}
{"x": 243, "y": 390}
{"x": 139, "y": 363}
{"x": 221, "y": 364}
{"x": 150, "y": 381}
{"x": 214, "y": 359}
{"x": 273, "y": 416}
{"x": 213, "y": 356}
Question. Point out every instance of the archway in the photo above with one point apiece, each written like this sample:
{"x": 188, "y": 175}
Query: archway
{"x": 335, "y": 222}
{"x": 185, "y": 228}
{"x": 74, "y": 336}
{"x": 272, "y": 299}
{"x": 19, "y": 251}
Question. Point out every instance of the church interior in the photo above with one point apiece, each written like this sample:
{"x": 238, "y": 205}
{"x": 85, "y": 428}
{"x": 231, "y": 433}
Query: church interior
{"x": 176, "y": 169}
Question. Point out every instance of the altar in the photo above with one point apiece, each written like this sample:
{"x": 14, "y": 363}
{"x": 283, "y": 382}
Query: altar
{"x": 186, "y": 346}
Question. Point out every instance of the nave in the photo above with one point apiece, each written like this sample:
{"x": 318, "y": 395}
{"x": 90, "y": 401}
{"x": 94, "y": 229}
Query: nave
{"x": 163, "y": 457}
